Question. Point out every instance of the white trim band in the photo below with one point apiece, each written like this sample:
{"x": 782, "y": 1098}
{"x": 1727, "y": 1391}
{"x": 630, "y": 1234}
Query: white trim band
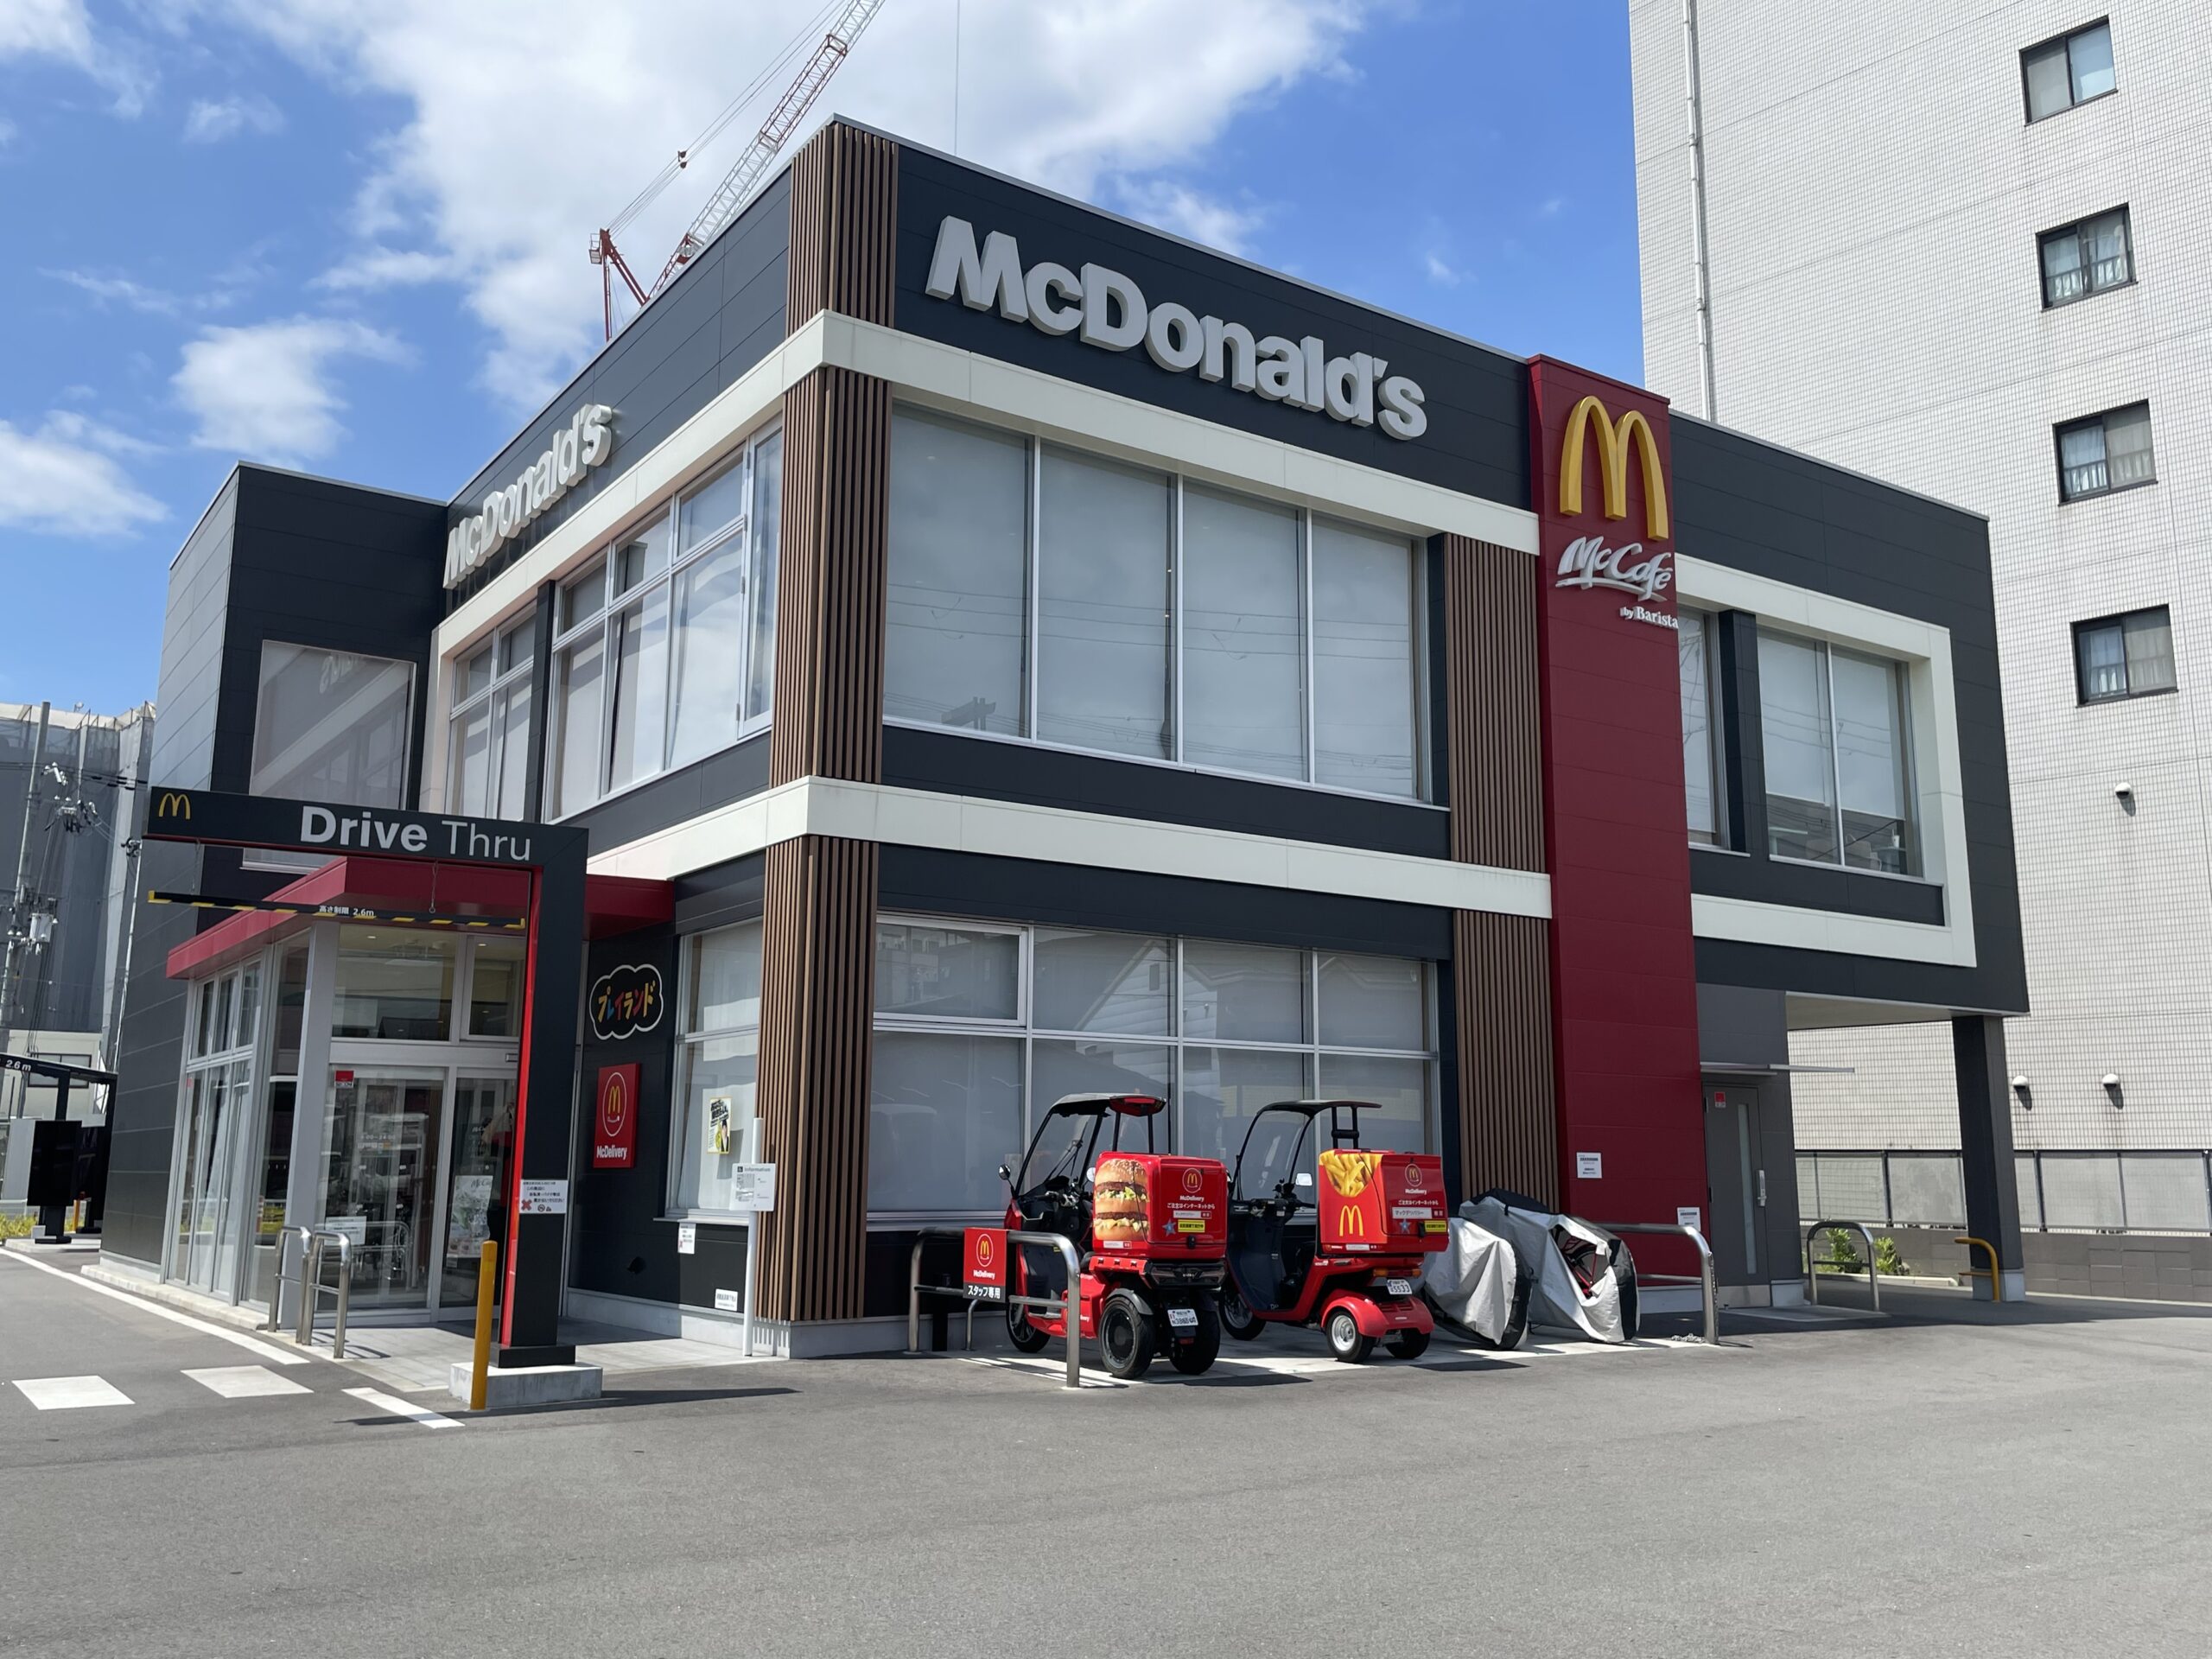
{"x": 914, "y": 817}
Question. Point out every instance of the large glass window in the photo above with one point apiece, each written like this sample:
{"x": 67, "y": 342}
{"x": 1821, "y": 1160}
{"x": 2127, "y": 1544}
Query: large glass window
{"x": 2107, "y": 451}
{"x": 1838, "y": 763}
{"x": 665, "y": 648}
{"x": 491, "y": 725}
{"x": 2070, "y": 70}
{"x": 1037, "y": 592}
{"x": 2129, "y": 656}
{"x": 1698, "y": 647}
{"x": 715, "y": 1126}
{"x": 395, "y": 983}
{"x": 331, "y": 726}
{"x": 955, "y": 642}
{"x": 980, "y": 1029}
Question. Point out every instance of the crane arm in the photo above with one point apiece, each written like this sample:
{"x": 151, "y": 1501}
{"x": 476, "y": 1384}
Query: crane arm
{"x": 738, "y": 185}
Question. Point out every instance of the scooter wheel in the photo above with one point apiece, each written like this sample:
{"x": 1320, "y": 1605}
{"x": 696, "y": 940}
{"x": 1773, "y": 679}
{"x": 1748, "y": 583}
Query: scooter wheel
{"x": 1124, "y": 1336}
{"x": 1346, "y": 1341}
{"x": 1237, "y": 1319}
{"x": 1407, "y": 1344}
{"x": 1021, "y": 1333}
{"x": 1196, "y": 1357}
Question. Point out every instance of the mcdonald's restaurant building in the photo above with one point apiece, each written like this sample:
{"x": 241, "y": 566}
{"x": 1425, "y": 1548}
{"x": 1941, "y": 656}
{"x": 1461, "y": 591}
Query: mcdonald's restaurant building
{"x": 994, "y": 650}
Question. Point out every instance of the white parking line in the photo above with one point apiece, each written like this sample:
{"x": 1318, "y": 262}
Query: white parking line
{"x": 274, "y": 1356}
{"x": 399, "y": 1407}
{"x": 245, "y": 1381}
{"x": 71, "y": 1393}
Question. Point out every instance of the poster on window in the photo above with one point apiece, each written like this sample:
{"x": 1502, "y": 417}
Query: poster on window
{"x": 718, "y": 1125}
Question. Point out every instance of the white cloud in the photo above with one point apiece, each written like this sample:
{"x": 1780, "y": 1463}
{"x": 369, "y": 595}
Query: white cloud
{"x": 1177, "y": 207}
{"x": 121, "y": 290}
{"x": 1440, "y": 270}
{"x": 210, "y": 122}
{"x": 379, "y": 268}
{"x": 63, "y": 29}
{"x": 63, "y": 481}
{"x": 1551, "y": 207}
{"x": 265, "y": 391}
{"x": 7, "y": 132}
{"x": 500, "y": 178}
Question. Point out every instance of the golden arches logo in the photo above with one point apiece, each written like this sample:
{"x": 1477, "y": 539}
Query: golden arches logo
{"x": 613, "y": 1105}
{"x": 1352, "y": 1222}
{"x": 172, "y": 803}
{"x": 986, "y": 1251}
{"x": 1614, "y": 438}
{"x": 1193, "y": 1179}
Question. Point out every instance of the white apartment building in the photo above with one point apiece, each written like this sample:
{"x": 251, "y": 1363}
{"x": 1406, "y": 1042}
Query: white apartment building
{"x": 1962, "y": 246}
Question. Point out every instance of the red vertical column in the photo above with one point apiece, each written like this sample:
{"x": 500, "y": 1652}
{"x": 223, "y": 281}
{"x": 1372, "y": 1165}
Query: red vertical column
{"x": 1631, "y": 1135}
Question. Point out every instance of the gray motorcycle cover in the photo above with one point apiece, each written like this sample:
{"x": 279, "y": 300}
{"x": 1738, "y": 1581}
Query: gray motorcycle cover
{"x": 1556, "y": 1299}
{"x": 1471, "y": 1281}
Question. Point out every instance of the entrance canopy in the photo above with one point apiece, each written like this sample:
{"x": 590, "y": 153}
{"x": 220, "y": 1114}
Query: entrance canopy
{"x": 426, "y": 893}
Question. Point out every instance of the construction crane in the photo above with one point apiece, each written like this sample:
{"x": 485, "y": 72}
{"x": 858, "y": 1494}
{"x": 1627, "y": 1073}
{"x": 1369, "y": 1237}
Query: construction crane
{"x": 738, "y": 185}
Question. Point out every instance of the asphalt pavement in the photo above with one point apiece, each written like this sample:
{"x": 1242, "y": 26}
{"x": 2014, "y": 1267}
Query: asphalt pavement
{"x": 1955, "y": 1481}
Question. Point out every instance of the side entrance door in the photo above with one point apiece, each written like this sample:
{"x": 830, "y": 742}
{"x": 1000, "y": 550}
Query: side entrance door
{"x": 1736, "y": 1181}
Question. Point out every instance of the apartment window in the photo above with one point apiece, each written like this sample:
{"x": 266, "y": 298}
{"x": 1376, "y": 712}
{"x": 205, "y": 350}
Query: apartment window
{"x": 1037, "y": 592}
{"x": 2070, "y": 70}
{"x": 2130, "y": 655}
{"x": 489, "y": 746}
{"x": 2105, "y": 453}
{"x": 666, "y": 647}
{"x": 2079, "y": 260}
{"x": 331, "y": 726}
{"x": 715, "y": 1127}
{"x": 980, "y": 1027}
{"x": 1698, "y": 646}
{"x": 1838, "y": 763}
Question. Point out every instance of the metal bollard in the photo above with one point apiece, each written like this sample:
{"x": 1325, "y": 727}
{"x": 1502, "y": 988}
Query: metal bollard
{"x": 488, "y": 1284}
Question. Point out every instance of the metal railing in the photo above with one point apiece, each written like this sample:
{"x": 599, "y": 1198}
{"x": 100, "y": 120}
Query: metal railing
{"x": 311, "y": 1289}
{"x": 1996, "y": 1267}
{"x": 1812, "y": 1269}
{"x": 1707, "y": 1289}
{"x": 1069, "y": 1306}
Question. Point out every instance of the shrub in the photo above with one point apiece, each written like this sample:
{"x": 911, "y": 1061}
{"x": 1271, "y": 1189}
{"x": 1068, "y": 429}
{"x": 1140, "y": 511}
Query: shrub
{"x": 1843, "y": 1254}
{"x": 1886, "y": 1258}
{"x": 21, "y": 1226}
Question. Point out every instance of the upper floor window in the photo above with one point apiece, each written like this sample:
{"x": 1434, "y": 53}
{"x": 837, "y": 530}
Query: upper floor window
{"x": 2107, "y": 451}
{"x": 1839, "y": 761}
{"x": 2070, "y": 70}
{"x": 489, "y": 748}
{"x": 331, "y": 726}
{"x": 1702, "y": 734}
{"x": 1042, "y": 593}
{"x": 2129, "y": 656}
{"x": 2079, "y": 260}
{"x": 666, "y": 647}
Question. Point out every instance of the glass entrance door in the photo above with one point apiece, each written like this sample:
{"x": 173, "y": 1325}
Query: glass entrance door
{"x": 380, "y": 1166}
{"x": 483, "y": 1135}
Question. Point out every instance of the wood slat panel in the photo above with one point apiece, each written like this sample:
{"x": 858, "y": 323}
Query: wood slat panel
{"x": 844, "y": 206}
{"x": 1509, "y": 1111}
{"x": 829, "y": 616}
{"x": 816, "y": 1020}
{"x": 1493, "y": 742}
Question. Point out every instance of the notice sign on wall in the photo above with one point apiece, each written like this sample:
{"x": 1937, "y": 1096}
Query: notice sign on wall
{"x": 543, "y": 1198}
{"x": 752, "y": 1186}
{"x": 1589, "y": 1166}
{"x": 615, "y": 1125}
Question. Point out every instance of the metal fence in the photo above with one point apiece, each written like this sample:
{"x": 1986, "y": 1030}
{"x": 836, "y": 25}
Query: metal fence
{"x": 2060, "y": 1191}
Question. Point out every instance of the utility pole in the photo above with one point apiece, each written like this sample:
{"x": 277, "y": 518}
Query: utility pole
{"x": 16, "y": 924}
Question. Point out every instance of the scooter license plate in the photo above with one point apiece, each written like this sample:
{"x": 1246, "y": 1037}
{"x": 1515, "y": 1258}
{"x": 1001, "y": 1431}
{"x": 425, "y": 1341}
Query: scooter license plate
{"x": 1398, "y": 1286}
{"x": 1183, "y": 1318}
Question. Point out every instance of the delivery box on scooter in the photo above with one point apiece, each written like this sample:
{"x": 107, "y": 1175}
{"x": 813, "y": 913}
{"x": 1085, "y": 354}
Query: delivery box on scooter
{"x": 1148, "y": 1204}
{"x": 1381, "y": 1202}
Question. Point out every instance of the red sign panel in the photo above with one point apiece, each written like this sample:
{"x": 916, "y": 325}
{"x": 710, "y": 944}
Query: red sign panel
{"x": 615, "y": 1125}
{"x": 1616, "y": 821}
{"x": 984, "y": 1264}
{"x": 1382, "y": 1201}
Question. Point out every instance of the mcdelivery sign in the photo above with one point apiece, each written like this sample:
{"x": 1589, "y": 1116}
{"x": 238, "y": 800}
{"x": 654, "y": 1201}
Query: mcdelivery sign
{"x": 1624, "y": 960}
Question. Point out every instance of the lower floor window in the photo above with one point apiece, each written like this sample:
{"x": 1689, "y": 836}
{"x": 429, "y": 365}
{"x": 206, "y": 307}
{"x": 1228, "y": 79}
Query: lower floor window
{"x": 1219, "y": 1030}
{"x": 2130, "y": 655}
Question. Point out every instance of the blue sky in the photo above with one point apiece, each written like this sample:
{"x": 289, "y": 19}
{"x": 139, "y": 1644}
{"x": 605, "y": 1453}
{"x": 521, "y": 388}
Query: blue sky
{"x": 350, "y": 238}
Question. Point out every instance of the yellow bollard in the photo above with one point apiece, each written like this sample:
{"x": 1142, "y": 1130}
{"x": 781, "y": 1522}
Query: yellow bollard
{"x": 487, "y": 1281}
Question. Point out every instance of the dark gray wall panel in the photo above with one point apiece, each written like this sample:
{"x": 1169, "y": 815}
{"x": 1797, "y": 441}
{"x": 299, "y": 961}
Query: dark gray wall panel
{"x": 916, "y": 759}
{"x": 677, "y": 797}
